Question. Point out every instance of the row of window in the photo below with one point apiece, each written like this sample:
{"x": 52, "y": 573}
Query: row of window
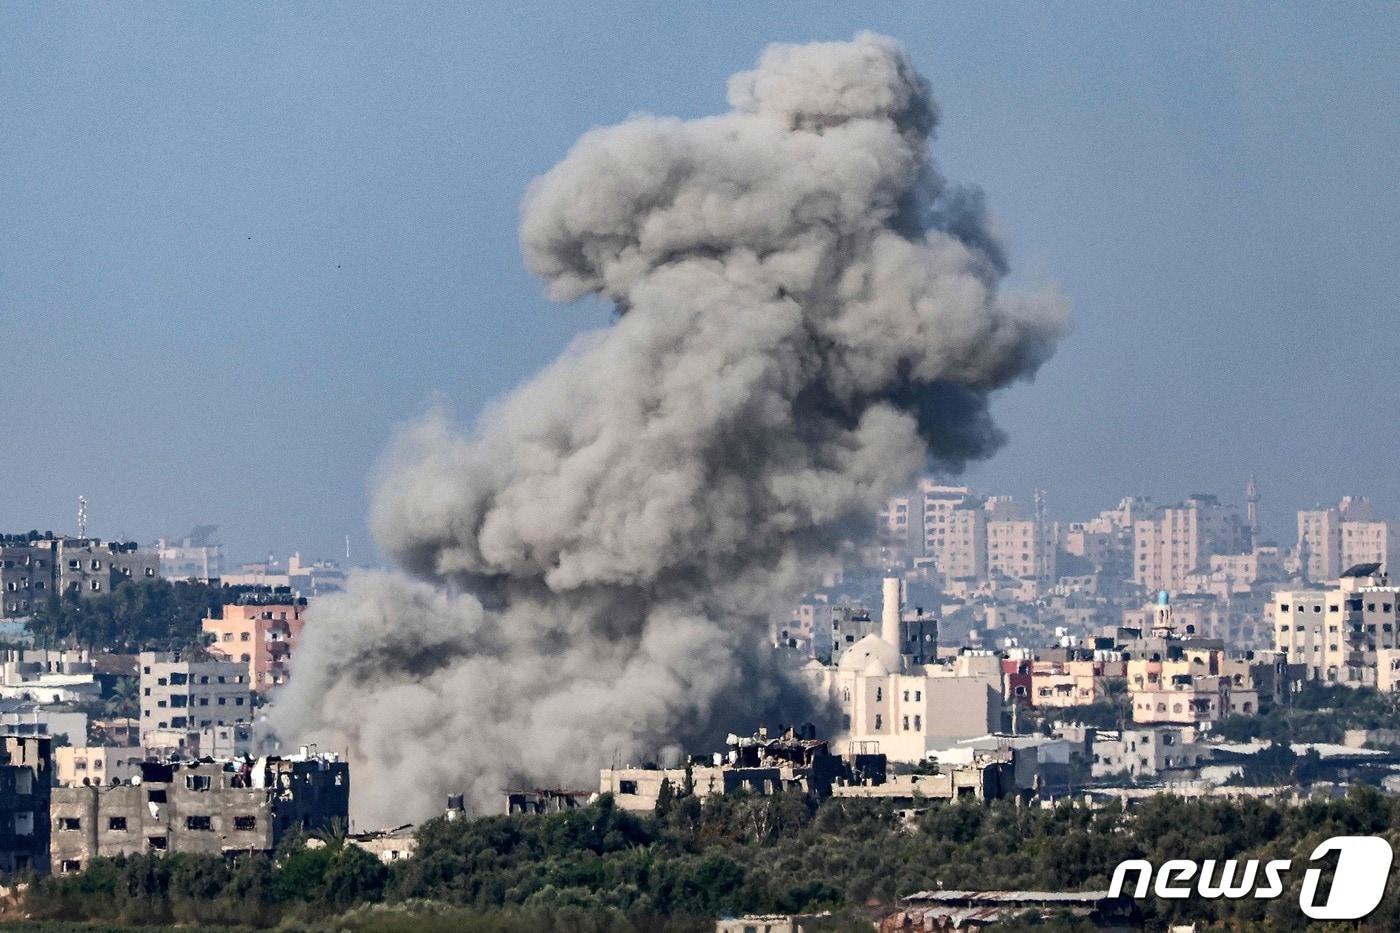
{"x": 117, "y": 824}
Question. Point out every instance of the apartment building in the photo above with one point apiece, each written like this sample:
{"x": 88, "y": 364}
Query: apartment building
{"x": 90, "y": 567}
{"x": 955, "y": 530}
{"x": 26, "y": 776}
{"x": 180, "y": 697}
{"x": 1180, "y": 541}
{"x": 260, "y": 631}
{"x": 1022, "y": 550}
{"x": 1335, "y": 635}
{"x": 1331, "y": 540}
{"x": 207, "y": 807}
{"x": 1147, "y": 753}
{"x": 96, "y": 764}
{"x": 26, "y": 577}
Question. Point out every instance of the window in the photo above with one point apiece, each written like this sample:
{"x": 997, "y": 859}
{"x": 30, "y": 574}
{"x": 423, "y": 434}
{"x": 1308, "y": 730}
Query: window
{"x": 245, "y": 823}
{"x": 156, "y": 842}
{"x": 879, "y": 721}
{"x": 918, "y": 723}
{"x": 879, "y": 694}
{"x": 156, "y": 795}
{"x": 905, "y": 724}
{"x": 116, "y": 824}
{"x": 96, "y": 585}
{"x": 199, "y": 823}
{"x": 626, "y": 787}
{"x": 198, "y": 781}
{"x": 71, "y": 865}
{"x": 70, "y": 824}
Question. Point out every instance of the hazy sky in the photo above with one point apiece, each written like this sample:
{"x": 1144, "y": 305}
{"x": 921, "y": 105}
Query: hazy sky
{"x": 239, "y": 243}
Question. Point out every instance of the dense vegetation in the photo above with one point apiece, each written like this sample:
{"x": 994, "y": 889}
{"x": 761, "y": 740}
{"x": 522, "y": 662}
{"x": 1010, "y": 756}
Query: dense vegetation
{"x": 1317, "y": 713}
{"x": 602, "y": 869}
{"x": 135, "y": 615}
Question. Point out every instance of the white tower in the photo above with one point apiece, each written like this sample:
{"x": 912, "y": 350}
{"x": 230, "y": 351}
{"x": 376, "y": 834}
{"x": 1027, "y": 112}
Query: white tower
{"x": 891, "y": 610}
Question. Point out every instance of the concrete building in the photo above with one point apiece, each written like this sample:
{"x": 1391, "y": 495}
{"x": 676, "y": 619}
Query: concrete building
{"x": 96, "y": 764}
{"x": 1325, "y": 548}
{"x": 1335, "y": 635}
{"x": 955, "y": 530}
{"x": 1155, "y": 752}
{"x": 91, "y": 567}
{"x": 899, "y": 530}
{"x": 1180, "y": 540}
{"x": 758, "y": 764}
{"x": 205, "y": 807}
{"x": 26, "y": 779}
{"x": 196, "y": 556}
{"x": 990, "y": 776}
{"x": 27, "y": 718}
{"x": 181, "y": 697}
{"x": 260, "y": 631}
{"x": 26, "y": 576}
{"x": 1371, "y": 542}
{"x": 1022, "y": 550}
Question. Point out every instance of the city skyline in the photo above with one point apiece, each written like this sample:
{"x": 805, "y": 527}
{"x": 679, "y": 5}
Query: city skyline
{"x": 294, "y": 227}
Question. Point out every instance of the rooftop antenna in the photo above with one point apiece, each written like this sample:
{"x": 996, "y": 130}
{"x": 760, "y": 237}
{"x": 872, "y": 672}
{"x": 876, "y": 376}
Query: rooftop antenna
{"x": 82, "y": 516}
{"x": 347, "y": 549}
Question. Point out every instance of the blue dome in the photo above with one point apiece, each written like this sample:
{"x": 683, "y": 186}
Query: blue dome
{"x": 1162, "y": 598}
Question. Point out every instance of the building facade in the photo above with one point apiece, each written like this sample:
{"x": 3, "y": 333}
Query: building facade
{"x": 260, "y": 631}
{"x": 203, "y": 807}
{"x": 181, "y": 697}
{"x": 26, "y": 778}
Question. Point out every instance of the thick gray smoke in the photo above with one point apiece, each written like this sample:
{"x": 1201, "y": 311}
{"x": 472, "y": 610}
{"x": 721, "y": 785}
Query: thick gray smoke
{"x": 807, "y": 315}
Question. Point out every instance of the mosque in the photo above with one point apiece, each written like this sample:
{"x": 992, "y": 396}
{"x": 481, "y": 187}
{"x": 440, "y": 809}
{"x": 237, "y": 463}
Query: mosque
{"x": 897, "y": 698}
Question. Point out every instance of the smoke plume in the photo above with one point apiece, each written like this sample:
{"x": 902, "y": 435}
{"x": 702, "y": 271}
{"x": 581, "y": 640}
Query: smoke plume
{"x": 807, "y": 315}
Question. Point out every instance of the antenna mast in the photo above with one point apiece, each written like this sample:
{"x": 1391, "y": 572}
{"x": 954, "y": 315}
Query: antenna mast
{"x": 82, "y": 516}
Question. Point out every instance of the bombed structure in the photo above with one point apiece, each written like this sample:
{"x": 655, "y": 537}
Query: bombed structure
{"x": 206, "y": 807}
{"x": 794, "y": 760}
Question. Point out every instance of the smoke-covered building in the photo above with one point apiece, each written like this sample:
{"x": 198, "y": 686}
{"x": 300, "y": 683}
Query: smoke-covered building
{"x": 26, "y": 778}
{"x": 758, "y": 764}
{"x": 206, "y": 807}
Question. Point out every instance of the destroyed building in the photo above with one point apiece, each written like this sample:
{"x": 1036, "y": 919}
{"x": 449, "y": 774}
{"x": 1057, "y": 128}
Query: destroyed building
{"x": 758, "y": 764}
{"x": 206, "y": 807}
{"x": 26, "y": 777}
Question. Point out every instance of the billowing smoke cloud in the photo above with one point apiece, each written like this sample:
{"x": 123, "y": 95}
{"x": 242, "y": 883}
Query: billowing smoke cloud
{"x": 807, "y": 315}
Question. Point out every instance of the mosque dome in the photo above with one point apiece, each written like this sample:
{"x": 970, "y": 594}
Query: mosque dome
{"x": 1163, "y": 598}
{"x": 864, "y": 654}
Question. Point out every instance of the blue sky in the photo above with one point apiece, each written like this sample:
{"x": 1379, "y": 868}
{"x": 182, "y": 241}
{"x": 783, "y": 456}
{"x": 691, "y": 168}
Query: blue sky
{"x": 239, "y": 243}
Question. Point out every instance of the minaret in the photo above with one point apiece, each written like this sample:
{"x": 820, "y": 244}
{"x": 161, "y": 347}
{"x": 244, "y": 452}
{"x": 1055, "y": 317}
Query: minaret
{"x": 891, "y": 609}
{"x": 1251, "y": 513}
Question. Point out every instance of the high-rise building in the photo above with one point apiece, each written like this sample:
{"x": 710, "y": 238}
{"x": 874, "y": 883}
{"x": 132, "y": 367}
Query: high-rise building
{"x": 1334, "y": 539}
{"x": 1181, "y": 540}
{"x": 955, "y": 530}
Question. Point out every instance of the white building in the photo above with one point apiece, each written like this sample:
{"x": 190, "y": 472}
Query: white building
{"x": 1337, "y": 634}
{"x": 903, "y": 709}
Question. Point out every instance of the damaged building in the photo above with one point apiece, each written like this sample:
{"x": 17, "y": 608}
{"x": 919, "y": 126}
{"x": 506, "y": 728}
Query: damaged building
{"x": 758, "y": 764}
{"x": 26, "y": 779}
{"x": 206, "y": 807}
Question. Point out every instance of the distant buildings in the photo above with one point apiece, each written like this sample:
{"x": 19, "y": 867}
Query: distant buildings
{"x": 296, "y": 576}
{"x": 1181, "y": 539}
{"x": 194, "y": 557}
{"x": 32, "y": 569}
